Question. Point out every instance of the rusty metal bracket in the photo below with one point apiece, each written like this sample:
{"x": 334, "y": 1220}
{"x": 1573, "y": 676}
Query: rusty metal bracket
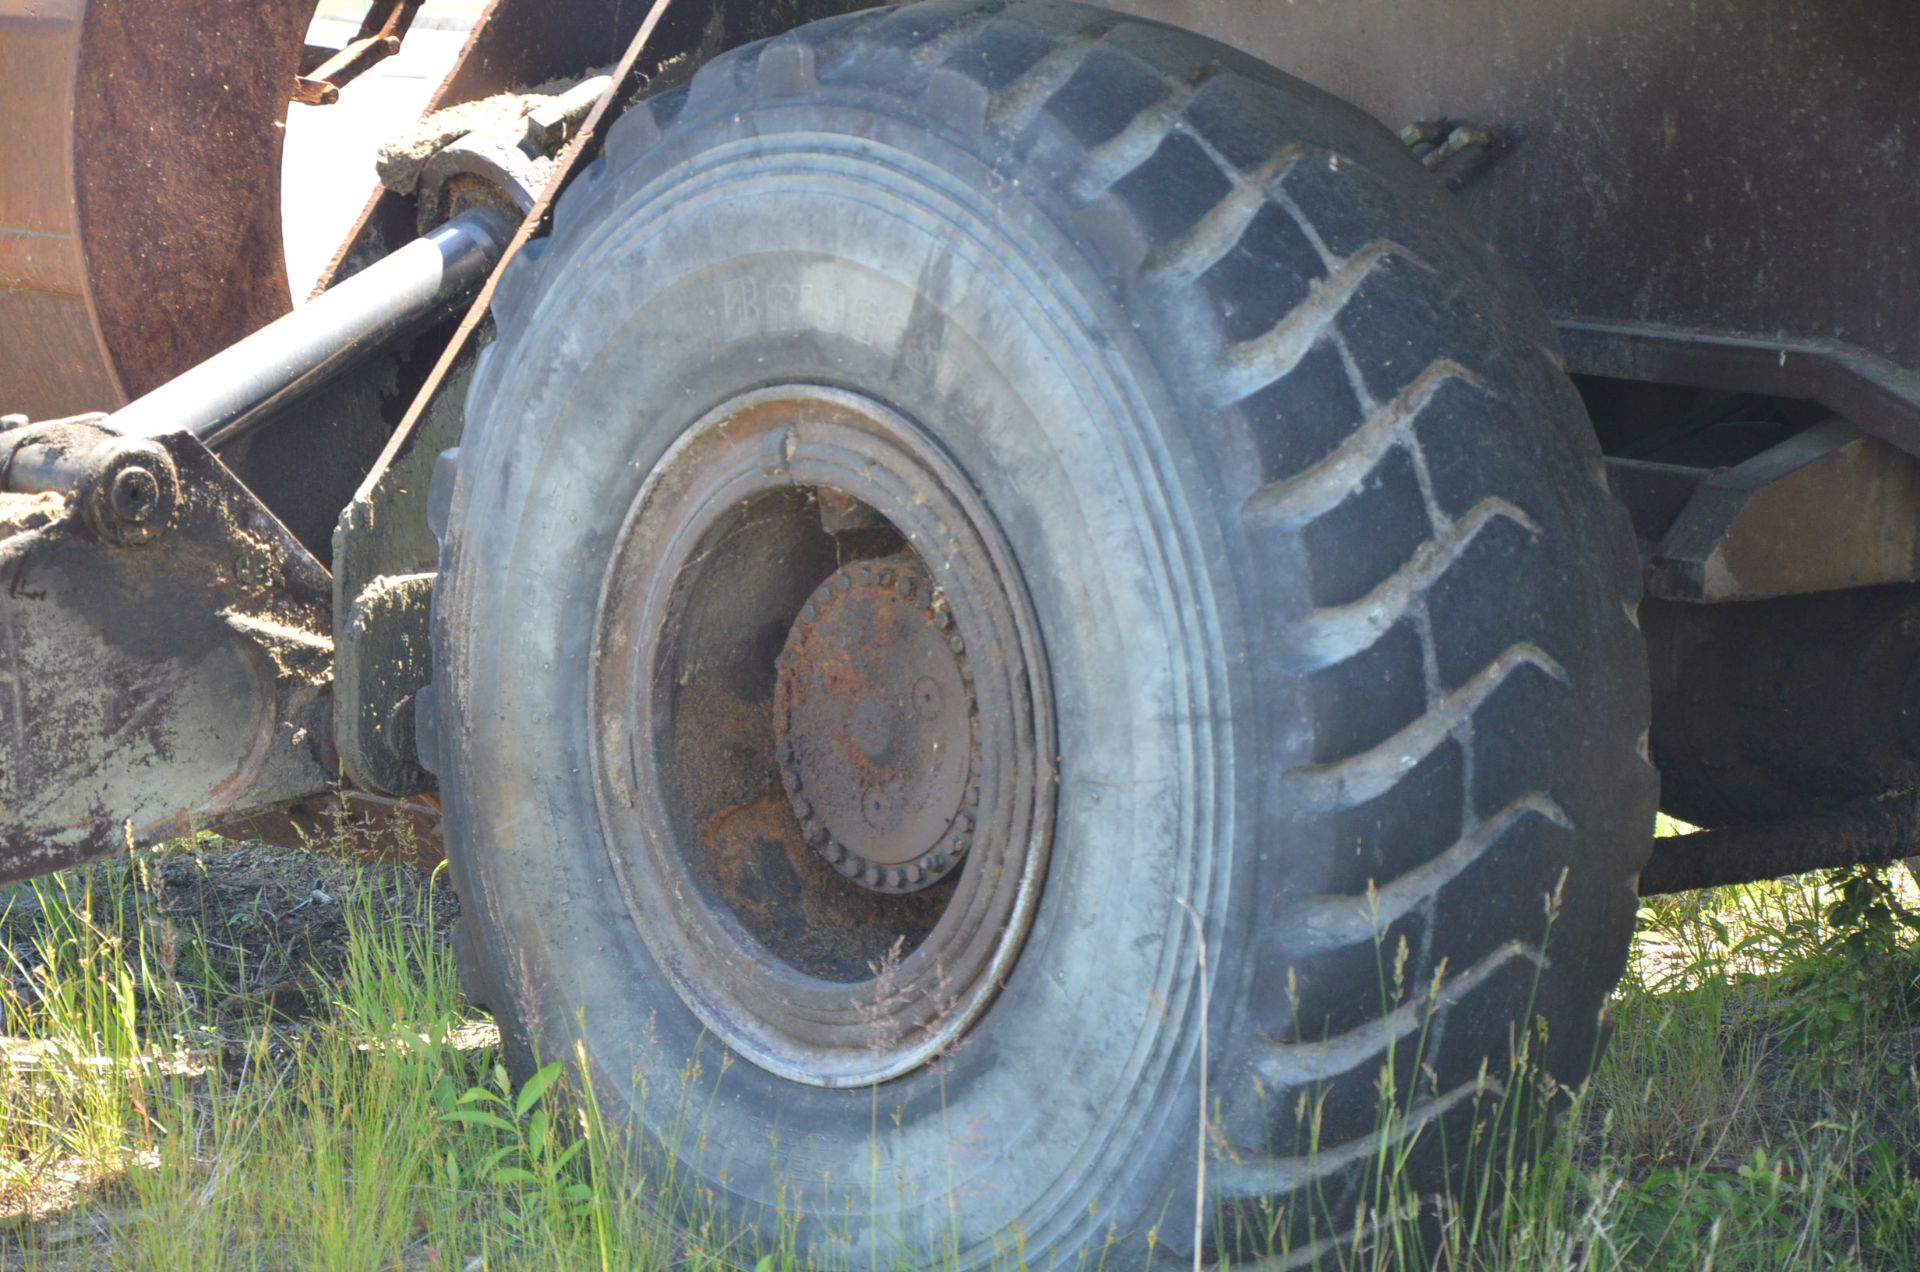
{"x": 324, "y": 72}
{"x": 165, "y": 646}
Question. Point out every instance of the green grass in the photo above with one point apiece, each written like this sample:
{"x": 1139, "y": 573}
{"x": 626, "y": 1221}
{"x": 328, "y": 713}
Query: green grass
{"x": 1759, "y": 1106}
{"x": 180, "y": 1089}
{"x": 192, "y": 1121}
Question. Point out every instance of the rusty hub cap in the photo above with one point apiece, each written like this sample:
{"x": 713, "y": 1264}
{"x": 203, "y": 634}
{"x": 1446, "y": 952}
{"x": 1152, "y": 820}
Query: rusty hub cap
{"x": 875, "y": 727}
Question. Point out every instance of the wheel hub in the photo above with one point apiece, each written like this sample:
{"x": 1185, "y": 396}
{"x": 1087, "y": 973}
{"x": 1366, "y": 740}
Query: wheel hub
{"x": 876, "y": 729}
{"x": 822, "y": 735}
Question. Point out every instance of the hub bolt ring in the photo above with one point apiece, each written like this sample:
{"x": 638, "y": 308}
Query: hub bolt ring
{"x": 876, "y": 597}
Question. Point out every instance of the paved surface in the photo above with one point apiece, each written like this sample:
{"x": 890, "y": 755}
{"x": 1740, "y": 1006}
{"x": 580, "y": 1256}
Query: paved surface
{"x": 327, "y": 176}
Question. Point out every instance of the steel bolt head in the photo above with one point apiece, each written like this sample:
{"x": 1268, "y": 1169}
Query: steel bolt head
{"x": 134, "y": 496}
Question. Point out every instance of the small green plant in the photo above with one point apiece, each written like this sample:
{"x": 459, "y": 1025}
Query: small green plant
{"x": 529, "y": 1162}
{"x": 1857, "y": 980}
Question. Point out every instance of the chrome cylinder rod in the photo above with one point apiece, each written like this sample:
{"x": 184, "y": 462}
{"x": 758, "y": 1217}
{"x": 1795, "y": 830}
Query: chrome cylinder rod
{"x": 229, "y": 393}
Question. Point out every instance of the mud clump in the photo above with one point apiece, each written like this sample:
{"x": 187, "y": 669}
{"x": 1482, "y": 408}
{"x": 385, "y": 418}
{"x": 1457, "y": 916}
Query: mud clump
{"x": 404, "y": 157}
{"x": 21, "y": 513}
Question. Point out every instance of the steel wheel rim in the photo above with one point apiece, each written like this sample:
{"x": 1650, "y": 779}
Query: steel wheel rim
{"x": 806, "y": 984}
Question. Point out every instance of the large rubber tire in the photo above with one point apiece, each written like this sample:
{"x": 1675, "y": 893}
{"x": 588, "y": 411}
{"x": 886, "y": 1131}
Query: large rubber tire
{"x": 1336, "y": 607}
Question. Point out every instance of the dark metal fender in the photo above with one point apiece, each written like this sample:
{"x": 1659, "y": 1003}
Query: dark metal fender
{"x": 163, "y": 663}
